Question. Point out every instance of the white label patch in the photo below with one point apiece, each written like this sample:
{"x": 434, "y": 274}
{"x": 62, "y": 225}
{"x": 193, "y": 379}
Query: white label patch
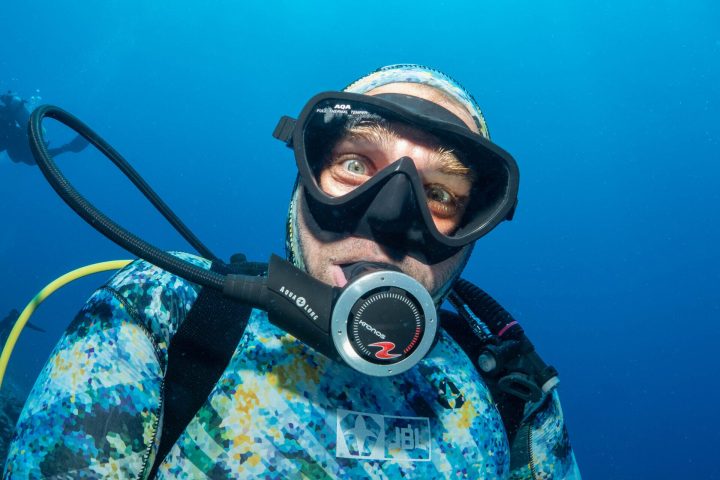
{"x": 382, "y": 437}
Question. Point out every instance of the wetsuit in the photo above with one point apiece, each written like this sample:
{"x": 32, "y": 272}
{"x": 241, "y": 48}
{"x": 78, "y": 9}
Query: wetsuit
{"x": 280, "y": 410}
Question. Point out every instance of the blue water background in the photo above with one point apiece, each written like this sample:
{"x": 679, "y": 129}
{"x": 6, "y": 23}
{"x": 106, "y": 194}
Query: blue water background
{"x": 611, "y": 109}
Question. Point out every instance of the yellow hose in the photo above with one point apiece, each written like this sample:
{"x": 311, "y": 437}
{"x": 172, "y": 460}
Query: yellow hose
{"x": 49, "y": 289}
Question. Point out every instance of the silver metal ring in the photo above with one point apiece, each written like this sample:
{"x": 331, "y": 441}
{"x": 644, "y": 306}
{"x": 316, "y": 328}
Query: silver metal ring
{"x": 360, "y": 287}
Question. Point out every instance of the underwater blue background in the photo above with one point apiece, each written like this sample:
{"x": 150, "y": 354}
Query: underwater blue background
{"x": 610, "y": 108}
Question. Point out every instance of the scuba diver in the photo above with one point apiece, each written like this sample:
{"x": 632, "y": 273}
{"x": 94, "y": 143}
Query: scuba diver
{"x": 158, "y": 377}
{"x": 14, "y": 115}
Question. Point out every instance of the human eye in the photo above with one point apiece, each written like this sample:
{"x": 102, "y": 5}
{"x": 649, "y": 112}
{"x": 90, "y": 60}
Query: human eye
{"x": 354, "y": 166}
{"x": 442, "y": 202}
{"x": 352, "y": 169}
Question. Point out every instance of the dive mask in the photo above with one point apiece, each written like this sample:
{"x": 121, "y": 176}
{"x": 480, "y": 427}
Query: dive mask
{"x": 392, "y": 206}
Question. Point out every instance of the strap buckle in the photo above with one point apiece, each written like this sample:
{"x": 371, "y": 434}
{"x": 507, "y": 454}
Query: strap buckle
{"x": 284, "y": 130}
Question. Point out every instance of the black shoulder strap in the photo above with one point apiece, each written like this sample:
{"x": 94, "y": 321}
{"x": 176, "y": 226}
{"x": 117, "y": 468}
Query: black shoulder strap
{"x": 511, "y": 408}
{"x": 198, "y": 355}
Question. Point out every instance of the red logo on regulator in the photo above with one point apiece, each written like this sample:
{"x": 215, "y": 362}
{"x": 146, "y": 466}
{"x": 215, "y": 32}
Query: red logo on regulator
{"x": 385, "y": 349}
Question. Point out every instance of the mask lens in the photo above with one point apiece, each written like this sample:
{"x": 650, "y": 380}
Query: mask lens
{"x": 348, "y": 143}
{"x": 331, "y": 123}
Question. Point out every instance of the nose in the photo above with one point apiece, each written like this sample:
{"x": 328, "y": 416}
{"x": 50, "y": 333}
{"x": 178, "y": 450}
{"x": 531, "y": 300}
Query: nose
{"x": 390, "y": 210}
{"x": 394, "y": 212}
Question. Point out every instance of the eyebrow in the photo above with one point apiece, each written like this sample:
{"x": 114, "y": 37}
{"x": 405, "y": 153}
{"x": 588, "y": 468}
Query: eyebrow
{"x": 383, "y": 135}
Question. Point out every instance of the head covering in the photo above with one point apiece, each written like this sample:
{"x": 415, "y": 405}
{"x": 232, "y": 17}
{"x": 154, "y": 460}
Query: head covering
{"x": 408, "y": 73}
{"x": 400, "y": 73}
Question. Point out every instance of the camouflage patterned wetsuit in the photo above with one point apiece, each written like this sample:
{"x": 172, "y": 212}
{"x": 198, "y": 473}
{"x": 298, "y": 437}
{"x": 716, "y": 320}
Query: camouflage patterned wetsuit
{"x": 279, "y": 410}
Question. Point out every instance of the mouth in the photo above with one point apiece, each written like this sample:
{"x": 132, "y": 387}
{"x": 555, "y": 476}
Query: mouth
{"x": 345, "y": 272}
{"x": 338, "y": 276}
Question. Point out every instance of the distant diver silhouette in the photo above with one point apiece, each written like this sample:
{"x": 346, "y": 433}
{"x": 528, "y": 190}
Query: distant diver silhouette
{"x": 14, "y": 115}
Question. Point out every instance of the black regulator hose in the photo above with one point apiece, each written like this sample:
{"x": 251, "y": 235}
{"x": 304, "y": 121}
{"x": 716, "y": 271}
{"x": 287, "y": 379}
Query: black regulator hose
{"x": 243, "y": 288}
{"x": 497, "y": 319}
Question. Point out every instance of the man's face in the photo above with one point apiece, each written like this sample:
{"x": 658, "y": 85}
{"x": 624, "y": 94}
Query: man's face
{"x": 357, "y": 157}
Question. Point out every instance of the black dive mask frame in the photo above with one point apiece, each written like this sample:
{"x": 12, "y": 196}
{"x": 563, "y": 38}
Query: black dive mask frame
{"x": 390, "y": 208}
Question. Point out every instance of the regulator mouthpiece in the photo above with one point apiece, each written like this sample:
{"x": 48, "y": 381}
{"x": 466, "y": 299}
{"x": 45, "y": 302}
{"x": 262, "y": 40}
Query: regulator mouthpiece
{"x": 381, "y": 323}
